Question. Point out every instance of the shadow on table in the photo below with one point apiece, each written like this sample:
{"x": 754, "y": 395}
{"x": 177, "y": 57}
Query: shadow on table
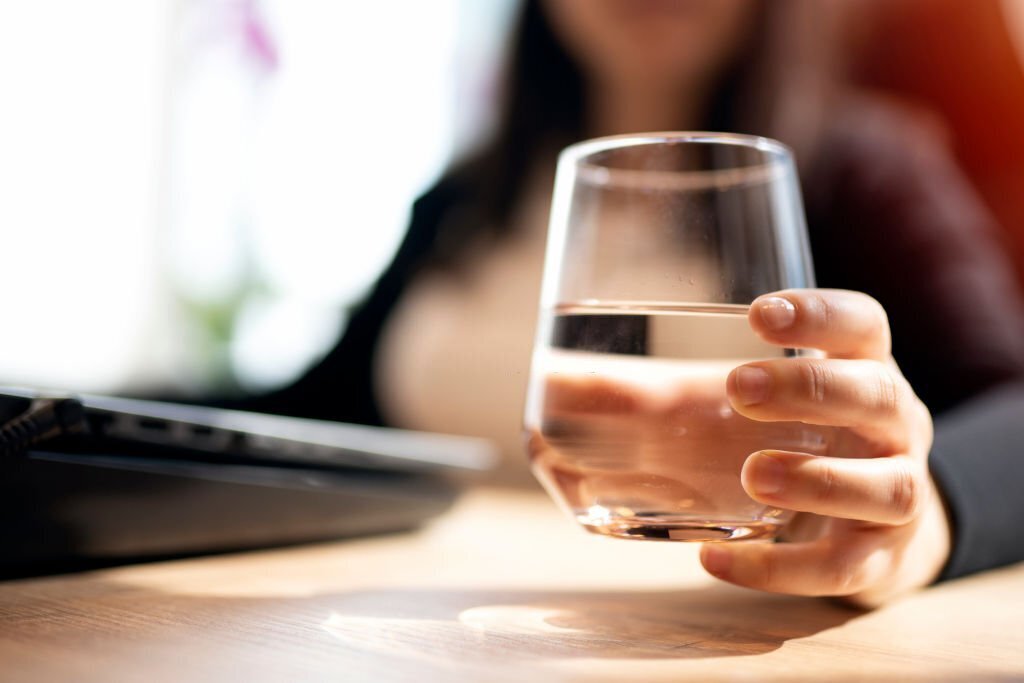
{"x": 266, "y": 633}
{"x": 715, "y": 621}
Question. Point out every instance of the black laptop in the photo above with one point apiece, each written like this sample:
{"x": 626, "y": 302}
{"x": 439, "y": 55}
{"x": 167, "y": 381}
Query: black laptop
{"x": 93, "y": 480}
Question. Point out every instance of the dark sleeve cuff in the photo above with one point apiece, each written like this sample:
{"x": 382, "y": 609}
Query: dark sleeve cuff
{"x": 977, "y": 461}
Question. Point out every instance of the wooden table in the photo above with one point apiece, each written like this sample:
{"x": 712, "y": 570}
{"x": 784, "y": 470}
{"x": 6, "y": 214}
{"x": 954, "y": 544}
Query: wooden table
{"x": 502, "y": 588}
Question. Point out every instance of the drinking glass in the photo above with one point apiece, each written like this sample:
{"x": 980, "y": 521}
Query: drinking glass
{"x": 657, "y": 245}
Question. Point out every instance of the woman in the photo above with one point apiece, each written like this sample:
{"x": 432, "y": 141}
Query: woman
{"x": 443, "y": 341}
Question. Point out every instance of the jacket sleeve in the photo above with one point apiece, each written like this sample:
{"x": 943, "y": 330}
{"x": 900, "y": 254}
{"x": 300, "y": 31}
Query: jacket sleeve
{"x": 978, "y": 461}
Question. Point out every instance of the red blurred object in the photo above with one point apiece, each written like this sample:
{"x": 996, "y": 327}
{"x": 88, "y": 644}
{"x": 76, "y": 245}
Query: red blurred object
{"x": 959, "y": 59}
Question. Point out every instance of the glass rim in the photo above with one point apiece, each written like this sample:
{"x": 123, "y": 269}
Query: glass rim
{"x": 584, "y": 148}
{"x": 778, "y": 158}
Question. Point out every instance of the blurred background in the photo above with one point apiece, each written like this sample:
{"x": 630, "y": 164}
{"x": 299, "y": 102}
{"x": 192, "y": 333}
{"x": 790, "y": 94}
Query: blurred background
{"x": 194, "y": 192}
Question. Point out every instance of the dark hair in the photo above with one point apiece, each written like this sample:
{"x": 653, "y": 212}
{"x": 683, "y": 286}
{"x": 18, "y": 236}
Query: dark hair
{"x": 543, "y": 108}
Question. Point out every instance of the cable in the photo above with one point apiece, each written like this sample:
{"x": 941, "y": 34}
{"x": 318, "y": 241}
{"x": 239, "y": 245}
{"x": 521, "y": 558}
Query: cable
{"x": 45, "y": 418}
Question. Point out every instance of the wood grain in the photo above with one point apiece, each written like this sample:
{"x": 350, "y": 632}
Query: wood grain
{"x": 503, "y": 588}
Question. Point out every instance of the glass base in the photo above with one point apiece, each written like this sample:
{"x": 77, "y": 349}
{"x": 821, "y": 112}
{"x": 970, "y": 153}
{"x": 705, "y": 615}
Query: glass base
{"x": 655, "y": 527}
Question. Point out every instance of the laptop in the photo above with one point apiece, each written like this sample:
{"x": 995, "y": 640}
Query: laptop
{"x": 93, "y": 480}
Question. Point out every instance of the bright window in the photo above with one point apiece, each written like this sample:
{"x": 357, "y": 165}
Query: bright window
{"x": 193, "y": 191}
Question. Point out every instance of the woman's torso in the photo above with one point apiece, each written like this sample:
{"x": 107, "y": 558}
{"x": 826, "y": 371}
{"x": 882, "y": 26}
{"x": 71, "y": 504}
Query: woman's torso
{"x": 888, "y": 214}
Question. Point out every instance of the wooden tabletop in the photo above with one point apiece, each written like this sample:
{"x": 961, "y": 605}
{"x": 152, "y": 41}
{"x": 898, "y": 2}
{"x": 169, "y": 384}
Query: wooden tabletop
{"x": 502, "y": 588}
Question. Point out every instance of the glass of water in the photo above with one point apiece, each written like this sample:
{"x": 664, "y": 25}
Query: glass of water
{"x": 657, "y": 245}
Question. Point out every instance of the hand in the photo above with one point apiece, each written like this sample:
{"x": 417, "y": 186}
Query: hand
{"x": 878, "y": 527}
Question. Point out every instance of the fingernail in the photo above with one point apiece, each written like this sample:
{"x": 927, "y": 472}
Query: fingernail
{"x": 768, "y": 474}
{"x": 776, "y": 312}
{"x": 717, "y": 560}
{"x": 752, "y": 384}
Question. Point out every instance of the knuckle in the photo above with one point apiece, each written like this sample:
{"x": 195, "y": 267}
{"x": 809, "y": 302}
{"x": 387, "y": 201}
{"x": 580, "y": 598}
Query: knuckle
{"x": 827, "y": 485}
{"x": 906, "y": 488}
{"x": 923, "y": 425}
{"x": 815, "y": 380}
{"x": 888, "y": 394}
{"x": 879, "y": 318}
{"x": 856, "y": 313}
{"x": 820, "y": 311}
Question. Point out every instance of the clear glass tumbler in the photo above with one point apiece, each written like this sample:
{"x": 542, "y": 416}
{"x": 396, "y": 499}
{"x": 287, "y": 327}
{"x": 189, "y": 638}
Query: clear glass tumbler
{"x": 657, "y": 245}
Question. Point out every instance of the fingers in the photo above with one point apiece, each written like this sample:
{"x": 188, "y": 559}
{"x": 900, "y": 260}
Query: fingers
{"x": 887, "y": 490}
{"x": 822, "y": 567}
{"x": 844, "y": 324}
{"x": 842, "y": 393}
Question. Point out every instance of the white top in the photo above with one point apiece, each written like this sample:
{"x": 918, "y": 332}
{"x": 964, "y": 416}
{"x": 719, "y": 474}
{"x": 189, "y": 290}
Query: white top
{"x": 455, "y": 353}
